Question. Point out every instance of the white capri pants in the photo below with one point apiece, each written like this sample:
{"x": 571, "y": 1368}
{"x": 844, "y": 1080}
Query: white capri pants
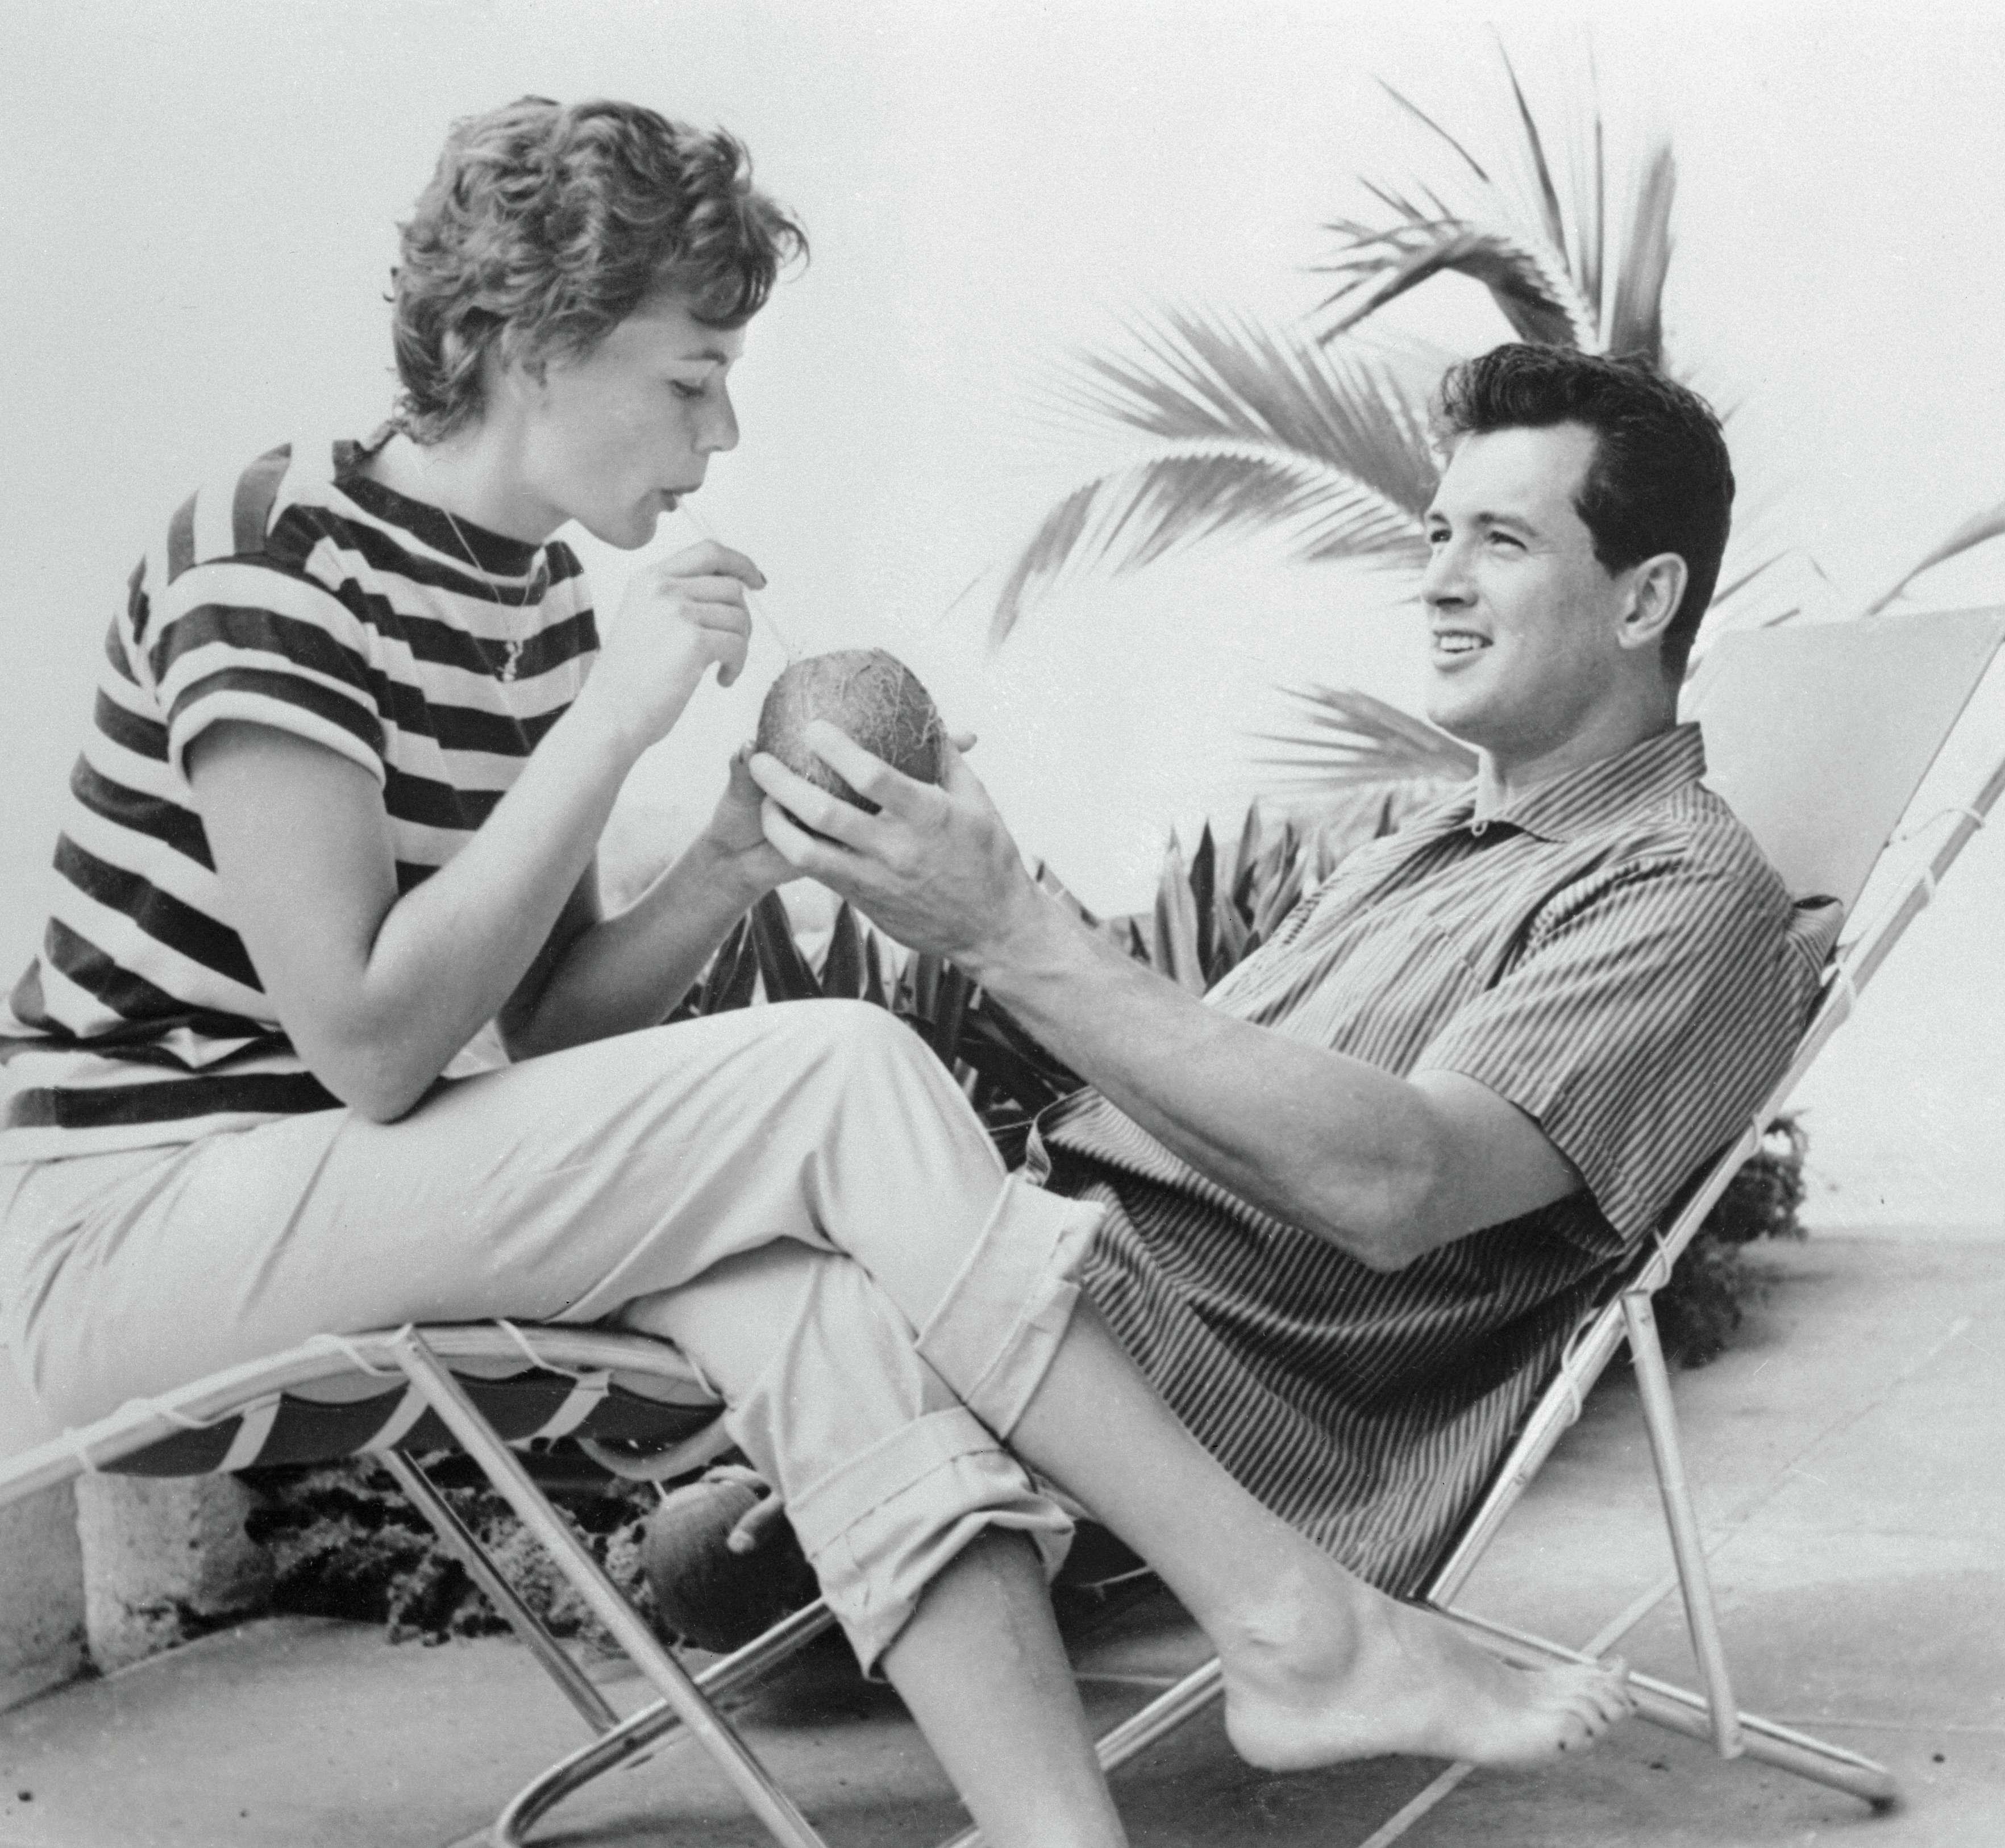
{"x": 844, "y": 1255}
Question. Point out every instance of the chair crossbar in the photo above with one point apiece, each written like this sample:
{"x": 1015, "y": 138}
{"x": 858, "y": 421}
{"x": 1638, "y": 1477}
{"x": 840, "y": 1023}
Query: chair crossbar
{"x": 1680, "y": 1710}
{"x": 635, "y": 1739}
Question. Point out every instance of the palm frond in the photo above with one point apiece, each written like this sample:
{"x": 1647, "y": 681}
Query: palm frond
{"x": 1552, "y": 220}
{"x": 1345, "y": 737}
{"x": 1133, "y": 516}
{"x": 1196, "y": 375}
{"x": 1427, "y": 121}
{"x": 1530, "y": 226}
{"x": 1256, "y": 431}
{"x": 1531, "y": 289}
{"x": 1989, "y": 524}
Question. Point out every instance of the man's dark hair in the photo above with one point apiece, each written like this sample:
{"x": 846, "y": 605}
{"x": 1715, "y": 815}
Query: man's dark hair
{"x": 1660, "y": 480}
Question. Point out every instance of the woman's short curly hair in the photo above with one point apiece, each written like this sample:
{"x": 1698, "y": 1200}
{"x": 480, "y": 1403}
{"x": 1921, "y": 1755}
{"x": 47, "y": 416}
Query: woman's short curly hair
{"x": 546, "y": 225}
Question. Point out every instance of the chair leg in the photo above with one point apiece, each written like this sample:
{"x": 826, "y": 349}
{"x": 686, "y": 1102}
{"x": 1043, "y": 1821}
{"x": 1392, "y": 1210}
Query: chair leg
{"x": 576, "y": 1684}
{"x": 777, "y": 1811}
{"x": 636, "y": 1738}
{"x": 1694, "y": 1578}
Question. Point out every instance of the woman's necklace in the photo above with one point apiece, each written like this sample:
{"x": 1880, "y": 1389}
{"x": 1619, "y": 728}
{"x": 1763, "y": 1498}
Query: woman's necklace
{"x": 511, "y": 658}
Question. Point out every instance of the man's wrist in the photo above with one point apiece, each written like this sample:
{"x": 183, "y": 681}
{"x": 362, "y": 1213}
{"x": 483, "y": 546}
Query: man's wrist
{"x": 1027, "y": 938}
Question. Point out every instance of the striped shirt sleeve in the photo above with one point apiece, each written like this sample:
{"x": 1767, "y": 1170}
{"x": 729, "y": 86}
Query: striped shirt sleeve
{"x": 241, "y": 638}
{"x": 1645, "y": 1017}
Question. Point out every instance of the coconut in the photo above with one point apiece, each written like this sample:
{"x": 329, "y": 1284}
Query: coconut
{"x": 871, "y": 695}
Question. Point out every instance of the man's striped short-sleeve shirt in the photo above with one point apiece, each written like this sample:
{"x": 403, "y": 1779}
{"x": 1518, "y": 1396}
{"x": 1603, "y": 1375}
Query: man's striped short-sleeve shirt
{"x": 1610, "y": 953}
{"x": 301, "y": 594}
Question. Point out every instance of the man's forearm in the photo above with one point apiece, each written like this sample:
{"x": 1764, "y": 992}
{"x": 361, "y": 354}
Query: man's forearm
{"x": 1324, "y": 1142}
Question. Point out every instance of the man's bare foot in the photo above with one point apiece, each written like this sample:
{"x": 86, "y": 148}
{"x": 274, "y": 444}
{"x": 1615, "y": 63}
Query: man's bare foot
{"x": 1373, "y": 1677}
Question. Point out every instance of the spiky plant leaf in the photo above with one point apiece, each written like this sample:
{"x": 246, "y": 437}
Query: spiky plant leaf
{"x": 734, "y": 972}
{"x": 781, "y": 966}
{"x": 1204, "y": 878}
{"x": 1135, "y": 515}
{"x": 1246, "y": 860}
{"x": 1195, "y": 374}
{"x": 951, "y": 996}
{"x": 1174, "y": 951}
{"x": 842, "y": 975}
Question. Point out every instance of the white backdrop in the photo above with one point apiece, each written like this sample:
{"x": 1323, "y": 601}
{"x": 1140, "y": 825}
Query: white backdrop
{"x": 197, "y": 224}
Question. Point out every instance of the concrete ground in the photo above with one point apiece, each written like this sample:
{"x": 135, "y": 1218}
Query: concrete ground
{"x": 1847, "y": 1454}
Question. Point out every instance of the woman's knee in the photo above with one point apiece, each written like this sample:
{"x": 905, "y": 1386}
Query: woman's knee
{"x": 861, "y": 1045}
{"x": 859, "y": 1030}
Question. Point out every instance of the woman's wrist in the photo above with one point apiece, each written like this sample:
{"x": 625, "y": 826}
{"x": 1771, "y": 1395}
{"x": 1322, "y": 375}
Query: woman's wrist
{"x": 732, "y": 874}
{"x": 596, "y": 723}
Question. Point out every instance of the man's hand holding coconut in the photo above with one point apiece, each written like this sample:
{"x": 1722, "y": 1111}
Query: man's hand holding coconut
{"x": 930, "y": 862}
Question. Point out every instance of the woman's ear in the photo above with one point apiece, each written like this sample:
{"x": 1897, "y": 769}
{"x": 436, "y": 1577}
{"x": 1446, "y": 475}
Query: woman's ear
{"x": 1657, "y": 587}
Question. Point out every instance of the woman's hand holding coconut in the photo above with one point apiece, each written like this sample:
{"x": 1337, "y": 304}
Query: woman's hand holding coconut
{"x": 735, "y": 836}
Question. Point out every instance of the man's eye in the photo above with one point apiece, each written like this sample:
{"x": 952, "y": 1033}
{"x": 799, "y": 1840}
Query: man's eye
{"x": 1438, "y": 536}
{"x": 682, "y": 388}
{"x": 1506, "y": 538}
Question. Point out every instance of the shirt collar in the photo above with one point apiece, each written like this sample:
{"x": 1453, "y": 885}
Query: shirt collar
{"x": 1601, "y": 792}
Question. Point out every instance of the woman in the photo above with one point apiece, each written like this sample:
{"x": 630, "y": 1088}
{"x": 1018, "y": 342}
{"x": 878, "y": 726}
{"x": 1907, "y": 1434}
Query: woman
{"x": 339, "y": 810}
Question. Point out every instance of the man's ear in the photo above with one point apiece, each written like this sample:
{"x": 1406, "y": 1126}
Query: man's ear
{"x": 1656, "y": 587}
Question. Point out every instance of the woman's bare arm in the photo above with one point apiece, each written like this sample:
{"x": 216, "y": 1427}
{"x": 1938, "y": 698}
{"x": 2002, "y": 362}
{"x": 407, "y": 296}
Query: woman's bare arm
{"x": 378, "y": 991}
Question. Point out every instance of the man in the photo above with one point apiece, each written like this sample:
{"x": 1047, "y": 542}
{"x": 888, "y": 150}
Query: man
{"x": 1359, "y": 1192}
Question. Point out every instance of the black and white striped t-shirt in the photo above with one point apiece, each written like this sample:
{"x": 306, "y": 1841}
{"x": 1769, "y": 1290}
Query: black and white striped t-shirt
{"x": 1611, "y": 952}
{"x": 301, "y": 594}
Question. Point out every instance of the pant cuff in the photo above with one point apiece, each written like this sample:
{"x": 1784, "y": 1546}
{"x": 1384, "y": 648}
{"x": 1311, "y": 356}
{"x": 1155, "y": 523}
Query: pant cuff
{"x": 993, "y": 1336}
{"x": 879, "y": 1528}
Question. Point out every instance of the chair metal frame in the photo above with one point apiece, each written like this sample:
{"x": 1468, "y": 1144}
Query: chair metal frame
{"x": 424, "y": 1357}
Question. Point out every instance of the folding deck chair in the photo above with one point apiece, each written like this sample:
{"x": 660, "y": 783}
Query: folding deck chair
{"x": 1819, "y": 736}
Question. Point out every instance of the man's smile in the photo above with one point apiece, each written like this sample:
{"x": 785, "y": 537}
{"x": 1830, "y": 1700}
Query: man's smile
{"x": 1451, "y": 646}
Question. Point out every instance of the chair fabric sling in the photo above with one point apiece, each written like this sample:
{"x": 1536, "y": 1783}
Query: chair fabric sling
{"x": 1819, "y": 737}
